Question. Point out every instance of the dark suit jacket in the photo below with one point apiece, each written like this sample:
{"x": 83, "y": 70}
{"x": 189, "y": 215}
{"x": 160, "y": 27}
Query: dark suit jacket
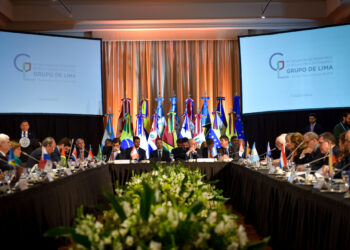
{"x": 317, "y": 129}
{"x": 194, "y": 156}
{"x": 230, "y": 154}
{"x": 165, "y": 156}
{"x": 142, "y": 154}
{"x": 86, "y": 153}
{"x": 37, "y": 155}
{"x": 56, "y": 155}
{"x": 179, "y": 153}
{"x": 4, "y": 166}
{"x": 120, "y": 156}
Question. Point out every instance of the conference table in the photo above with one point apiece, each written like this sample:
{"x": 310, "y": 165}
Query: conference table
{"x": 26, "y": 215}
{"x": 295, "y": 216}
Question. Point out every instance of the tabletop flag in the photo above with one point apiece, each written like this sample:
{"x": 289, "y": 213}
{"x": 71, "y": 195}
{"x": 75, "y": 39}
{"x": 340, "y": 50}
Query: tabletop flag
{"x": 198, "y": 134}
{"x": 254, "y": 155}
{"x": 241, "y": 149}
{"x": 134, "y": 155}
{"x": 153, "y": 135}
{"x": 222, "y": 123}
{"x": 90, "y": 157}
{"x": 126, "y": 137}
{"x": 214, "y": 132}
{"x": 99, "y": 154}
{"x": 141, "y": 133}
{"x": 283, "y": 158}
{"x": 122, "y": 117}
{"x": 63, "y": 160}
{"x": 161, "y": 122}
{"x": 169, "y": 135}
{"x": 144, "y": 112}
{"x": 185, "y": 128}
{"x": 247, "y": 150}
{"x": 330, "y": 162}
{"x": 239, "y": 123}
{"x": 11, "y": 159}
{"x": 75, "y": 154}
{"x": 205, "y": 114}
{"x": 45, "y": 162}
{"x": 108, "y": 134}
{"x": 231, "y": 128}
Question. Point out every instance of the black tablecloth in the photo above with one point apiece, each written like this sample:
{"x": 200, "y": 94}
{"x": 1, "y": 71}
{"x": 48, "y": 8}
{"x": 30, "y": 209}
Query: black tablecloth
{"x": 26, "y": 215}
{"x": 297, "y": 217}
{"x": 123, "y": 172}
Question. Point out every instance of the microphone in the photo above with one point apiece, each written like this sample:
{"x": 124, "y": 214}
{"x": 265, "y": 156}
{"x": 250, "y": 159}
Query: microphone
{"x": 290, "y": 155}
{"x": 31, "y": 157}
{"x": 70, "y": 151}
{"x": 266, "y": 152}
{"x": 311, "y": 162}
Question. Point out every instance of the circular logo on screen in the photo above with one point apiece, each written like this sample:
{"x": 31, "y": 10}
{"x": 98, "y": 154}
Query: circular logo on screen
{"x": 275, "y": 61}
{"x": 21, "y": 63}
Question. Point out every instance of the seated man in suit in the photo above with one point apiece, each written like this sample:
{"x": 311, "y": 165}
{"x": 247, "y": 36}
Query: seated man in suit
{"x": 27, "y": 139}
{"x": 209, "y": 151}
{"x": 159, "y": 154}
{"x": 311, "y": 152}
{"x": 180, "y": 152}
{"x": 5, "y": 146}
{"x": 82, "y": 153}
{"x": 135, "y": 152}
{"x": 116, "y": 152}
{"x": 107, "y": 148}
{"x": 225, "y": 151}
{"x": 48, "y": 146}
{"x": 66, "y": 144}
{"x": 193, "y": 152}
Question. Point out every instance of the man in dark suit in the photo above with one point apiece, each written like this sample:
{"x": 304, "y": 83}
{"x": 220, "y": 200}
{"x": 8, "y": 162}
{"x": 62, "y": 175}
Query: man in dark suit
{"x": 48, "y": 147}
{"x": 159, "y": 154}
{"x": 82, "y": 153}
{"x": 107, "y": 148}
{"x": 225, "y": 151}
{"x": 27, "y": 139}
{"x": 66, "y": 144}
{"x": 208, "y": 152}
{"x": 193, "y": 152}
{"x": 5, "y": 146}
{"x": 141, "y": 153}
{"x": 313, "y": 125}
{"x": 116, "y": 152}
{"x": 180, "y": 152}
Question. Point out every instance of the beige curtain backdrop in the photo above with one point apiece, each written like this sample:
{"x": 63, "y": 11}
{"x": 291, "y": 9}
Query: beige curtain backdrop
{"x": 138, "y": 69}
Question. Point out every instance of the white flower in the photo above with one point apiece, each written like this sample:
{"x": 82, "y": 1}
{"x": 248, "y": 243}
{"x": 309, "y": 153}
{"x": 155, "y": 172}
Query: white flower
{"x": 219, "y": 229}
{"x": 242, "y": 235}
{"x": 126, "y": 208}
{"x": 129, "y": 241}
{"x": 233, "y": 246}
{"x": 153, "y": 245}
{"x": 212, "y": 217}
{"x": 159, "y": 211}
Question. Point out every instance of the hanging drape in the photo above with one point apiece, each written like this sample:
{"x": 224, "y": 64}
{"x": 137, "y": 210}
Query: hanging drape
{"x": 147, "y": 69}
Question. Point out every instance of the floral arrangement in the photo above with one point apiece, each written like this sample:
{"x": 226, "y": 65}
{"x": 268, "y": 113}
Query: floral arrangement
{"x": 168, "y": 208}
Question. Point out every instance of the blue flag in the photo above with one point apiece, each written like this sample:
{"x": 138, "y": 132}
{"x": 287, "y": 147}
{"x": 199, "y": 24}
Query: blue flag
{"x": 220, "y": 108}
{"x": 185, "y": 128}
{"x": 239, "y": 122}
{"x": 212, "y": 135}
{"x": 205, "y": 112}
{"x": 173, "y": 107}
{"x": 161, "y": 122}
{"x": 108, "y": 134}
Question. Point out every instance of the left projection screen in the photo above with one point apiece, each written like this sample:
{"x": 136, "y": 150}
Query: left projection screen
{"x": 50, "y": 74}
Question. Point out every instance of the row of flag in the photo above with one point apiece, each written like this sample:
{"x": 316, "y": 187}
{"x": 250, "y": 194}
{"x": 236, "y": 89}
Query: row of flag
{"x": 196, "y": 126}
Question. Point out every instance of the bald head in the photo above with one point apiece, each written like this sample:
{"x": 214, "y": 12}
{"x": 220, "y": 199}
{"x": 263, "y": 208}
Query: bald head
{"x": 280, "y": 141}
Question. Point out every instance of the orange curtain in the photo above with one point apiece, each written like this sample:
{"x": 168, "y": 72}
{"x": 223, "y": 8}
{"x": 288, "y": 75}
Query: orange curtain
{"x": 138, "y": 69}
